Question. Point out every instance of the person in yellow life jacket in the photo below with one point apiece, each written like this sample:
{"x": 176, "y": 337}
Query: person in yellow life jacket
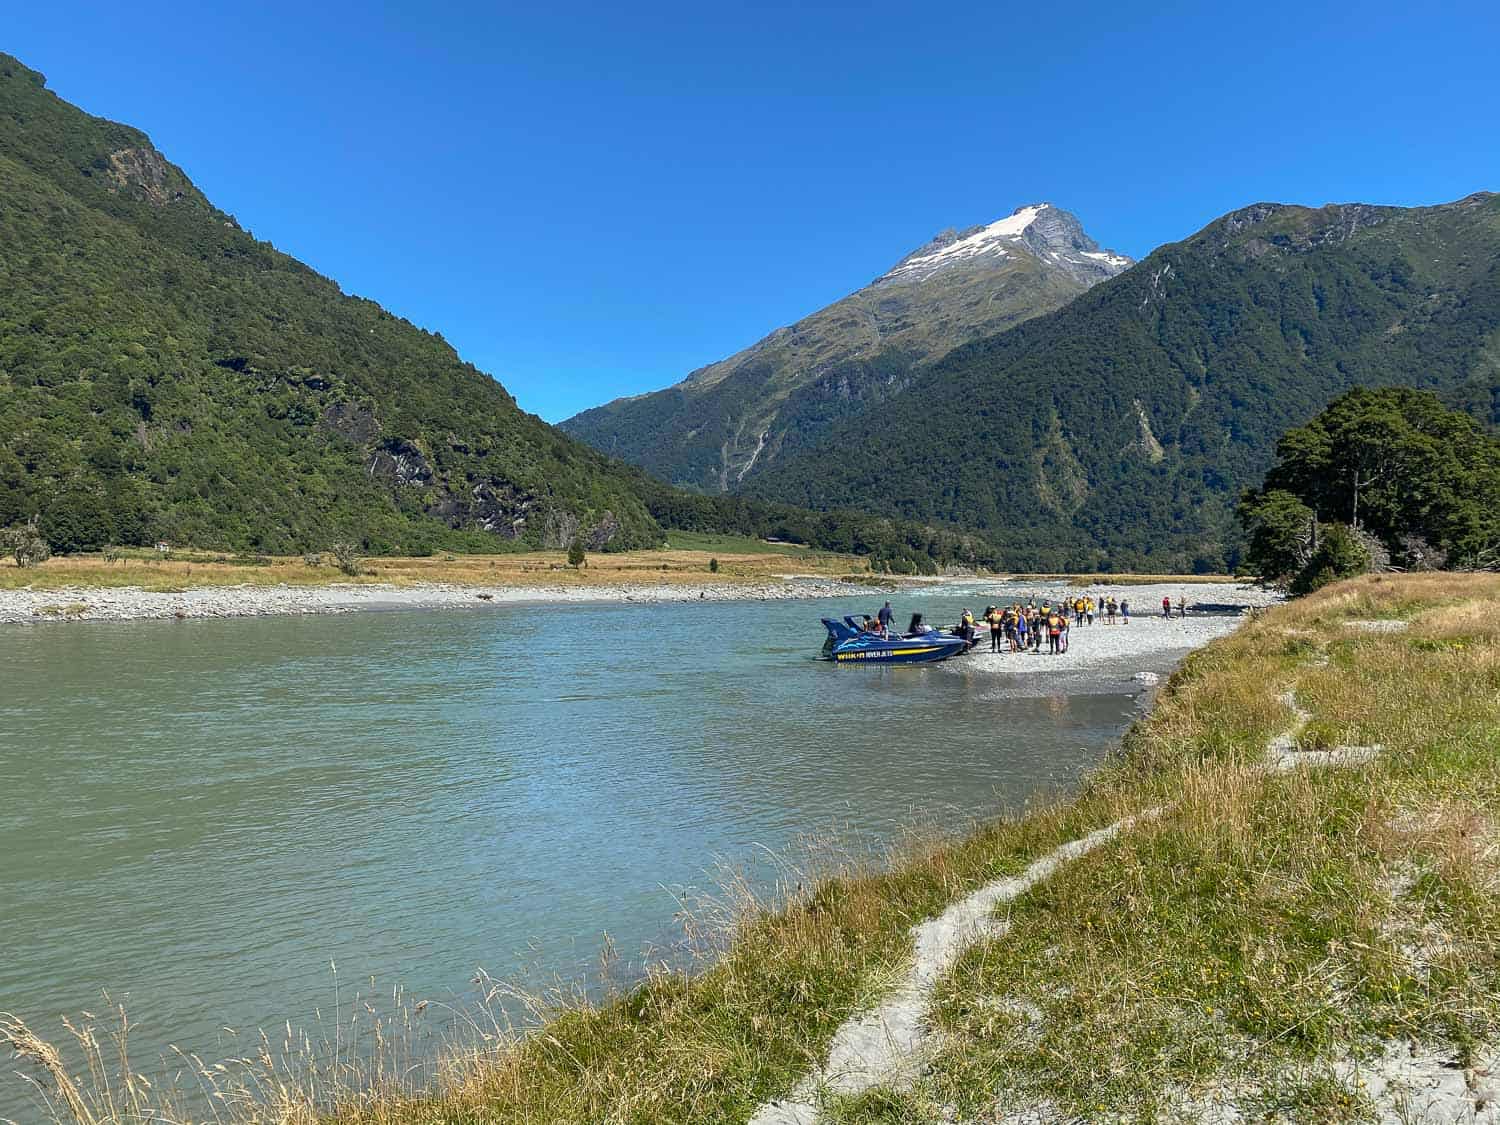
{"x": 1077, "y": 611}
{"x": 996, "y": 621}
{"x": 1054, "y": 632}
{"x": 1088, "y": 609}
{"x": 966, "y": 626}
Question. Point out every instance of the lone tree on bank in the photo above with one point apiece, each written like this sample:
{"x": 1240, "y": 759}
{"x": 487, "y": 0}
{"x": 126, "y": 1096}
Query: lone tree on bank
{"x": 346, "y": 554}
{"x": 25, "y": 544}
{"x": 575, "y": 553}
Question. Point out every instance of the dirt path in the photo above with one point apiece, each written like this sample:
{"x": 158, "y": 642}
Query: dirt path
{"x": 886, "y": 1044}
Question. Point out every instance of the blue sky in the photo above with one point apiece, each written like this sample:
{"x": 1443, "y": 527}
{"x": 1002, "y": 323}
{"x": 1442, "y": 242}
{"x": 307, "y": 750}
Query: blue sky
{"x": 592, "y": 200}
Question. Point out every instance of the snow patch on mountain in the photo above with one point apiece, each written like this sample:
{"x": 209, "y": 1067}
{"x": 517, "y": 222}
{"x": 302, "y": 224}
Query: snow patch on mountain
{"x": 1038, "y": 229}
{"x": 985, "y": 241}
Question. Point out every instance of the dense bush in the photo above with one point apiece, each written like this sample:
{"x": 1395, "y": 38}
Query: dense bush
{"x": 1388, "y": 477}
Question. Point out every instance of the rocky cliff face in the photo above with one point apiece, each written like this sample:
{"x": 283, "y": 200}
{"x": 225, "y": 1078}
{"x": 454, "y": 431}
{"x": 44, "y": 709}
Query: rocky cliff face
{"x": 731, "y": 420}
{"x": 146, "y": 172}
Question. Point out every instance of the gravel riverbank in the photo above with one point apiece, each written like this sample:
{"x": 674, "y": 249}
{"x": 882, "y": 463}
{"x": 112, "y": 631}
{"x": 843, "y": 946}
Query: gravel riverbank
{"x": 128, "y": 603}
{"x": 1099, "y": 654}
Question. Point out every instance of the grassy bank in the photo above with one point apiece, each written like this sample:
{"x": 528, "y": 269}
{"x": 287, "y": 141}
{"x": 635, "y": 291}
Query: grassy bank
{"x": 1253, "y": 943}
{"x": 685, "y": 561}
{"x": 746, "y": 560}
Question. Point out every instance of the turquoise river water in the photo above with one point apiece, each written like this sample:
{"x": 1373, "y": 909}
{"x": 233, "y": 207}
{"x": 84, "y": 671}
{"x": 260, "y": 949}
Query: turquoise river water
{"x": 204, "y": 817}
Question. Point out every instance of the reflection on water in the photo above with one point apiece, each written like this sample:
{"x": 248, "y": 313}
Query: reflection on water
{"x": 201, "y": 816}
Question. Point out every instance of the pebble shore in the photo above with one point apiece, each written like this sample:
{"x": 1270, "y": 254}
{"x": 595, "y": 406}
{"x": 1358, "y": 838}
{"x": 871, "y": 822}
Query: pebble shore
{"x": 129, "y": 603}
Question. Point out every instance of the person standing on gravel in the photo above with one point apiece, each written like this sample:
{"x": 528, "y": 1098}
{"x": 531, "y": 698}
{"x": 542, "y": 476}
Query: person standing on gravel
{"x": 1125, "y": 609}
{"x": 1166, "y": 605}
{"x": 1181, "y": 606}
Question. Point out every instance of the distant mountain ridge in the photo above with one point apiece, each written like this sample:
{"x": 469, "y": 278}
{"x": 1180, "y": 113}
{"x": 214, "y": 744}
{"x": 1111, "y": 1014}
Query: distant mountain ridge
{"x": 1119, "y": 430}
{"x": 732, "y": 419}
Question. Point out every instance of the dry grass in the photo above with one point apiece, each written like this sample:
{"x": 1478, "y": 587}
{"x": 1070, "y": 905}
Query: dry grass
{"x": 769, "y": 978}
{"x": 1269, "y": 925}
{"x": 1265, "y": 926}
{"x": 536, "y": 568}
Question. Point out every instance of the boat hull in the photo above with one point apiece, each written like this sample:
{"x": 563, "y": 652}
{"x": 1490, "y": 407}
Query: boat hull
{"x": 849, "y": 643}
{"x": 927, "y": 654}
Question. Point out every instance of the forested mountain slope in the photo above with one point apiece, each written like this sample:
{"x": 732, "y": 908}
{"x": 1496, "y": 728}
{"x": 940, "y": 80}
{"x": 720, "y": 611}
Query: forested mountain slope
{"x": 163, "y": 374}
{"x": 733, "y": 419}
{"x": 1120, "y": 430}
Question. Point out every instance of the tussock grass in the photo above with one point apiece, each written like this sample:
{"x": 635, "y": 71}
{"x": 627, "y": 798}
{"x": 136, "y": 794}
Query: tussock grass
{"x": 738, "y": 562}
{"x": 1265, "y": 928}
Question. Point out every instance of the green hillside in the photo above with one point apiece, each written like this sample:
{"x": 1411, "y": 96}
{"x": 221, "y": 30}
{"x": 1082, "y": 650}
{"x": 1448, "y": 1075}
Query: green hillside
{"x": 1120, "y": 430}
{"x": 738, "y": 417}
{"x": 163, "y": 374}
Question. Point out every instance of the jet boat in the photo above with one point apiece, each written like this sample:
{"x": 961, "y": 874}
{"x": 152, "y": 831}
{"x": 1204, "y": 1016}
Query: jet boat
{"x": 850, "y": 642}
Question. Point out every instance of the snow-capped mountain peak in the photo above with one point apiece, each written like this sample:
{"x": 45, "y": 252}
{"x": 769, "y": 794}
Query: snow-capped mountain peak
{"x": 1038, "y": 229}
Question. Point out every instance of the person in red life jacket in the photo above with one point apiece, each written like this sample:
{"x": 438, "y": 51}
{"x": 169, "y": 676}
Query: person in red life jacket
{"x": 1166, "y": 605}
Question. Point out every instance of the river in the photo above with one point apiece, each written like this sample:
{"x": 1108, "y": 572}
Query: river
{"x": 206, "y": 817}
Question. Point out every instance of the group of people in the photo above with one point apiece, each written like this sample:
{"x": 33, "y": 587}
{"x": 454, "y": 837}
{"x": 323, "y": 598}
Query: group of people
{"x": 1025, "y": 628}
{"x": 1031, "y": 627}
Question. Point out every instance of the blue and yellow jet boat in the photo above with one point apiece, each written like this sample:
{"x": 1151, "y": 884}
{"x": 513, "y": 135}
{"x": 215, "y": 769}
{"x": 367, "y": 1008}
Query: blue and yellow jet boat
{"x": 850, "y": 642}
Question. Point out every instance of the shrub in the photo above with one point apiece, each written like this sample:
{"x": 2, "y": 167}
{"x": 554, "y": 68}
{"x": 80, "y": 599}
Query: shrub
{"x": 1283, "y": 533}
{"x": 1339, "y": 554}
{"x": 346, "y": 556}
{"x": 313, "y": 558}
{"x": 575, "y": 553}
{"x": 25, "y": 544}
{"x": 713, "y": 566}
